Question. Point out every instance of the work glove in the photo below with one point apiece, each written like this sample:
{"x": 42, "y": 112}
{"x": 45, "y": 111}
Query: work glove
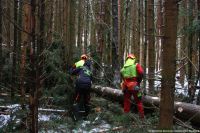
{"x": 139, "y": 95}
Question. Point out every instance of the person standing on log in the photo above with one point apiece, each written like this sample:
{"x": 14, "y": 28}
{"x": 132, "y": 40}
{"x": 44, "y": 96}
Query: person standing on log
{"x": 132, "y": 74}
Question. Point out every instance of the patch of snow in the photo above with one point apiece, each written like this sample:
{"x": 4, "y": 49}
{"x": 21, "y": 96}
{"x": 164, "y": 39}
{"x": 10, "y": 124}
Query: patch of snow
{"x": 155, "y": 98}
{"x": 4, "y": 120}
{"x": 85, "y": 123}
{"x": 101, "y": 127}
{"x": 57, "y": 110}
{"x": 43, "y": 117}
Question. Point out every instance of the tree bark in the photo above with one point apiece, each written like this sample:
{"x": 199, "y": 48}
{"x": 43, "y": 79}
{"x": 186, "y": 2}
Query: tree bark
{"x": 33, "y": 70}
{"x": 25, "y": 41}
{"x": 86, "y": 29}
{"x": 191, "y": 74}
{"x": 159, "y": 40}
{"x": 169, "y": 65}
{"x": 115, "y": 43}
{"x": 151, "y": 44}
{"x": 80, "y": 24}
{"x": 15, "y": 45}
{"x": 198, "y": 77}
{"x": 145, "y": 42}
{"x": 185, "y": 111}
{"x": 1, "y": 40}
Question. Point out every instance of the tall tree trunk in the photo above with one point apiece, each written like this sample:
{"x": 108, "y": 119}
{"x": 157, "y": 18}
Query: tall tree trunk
{"x": 183, "y": 49}
{"x": 134, "y": 27}
{"x": 7, "y": 23}
{"x": 191, "y": 75}
{"x": 159, "y": 32}
{"x": 198, "y": 34}
{"x": 115, "y": 43}
{"x": 49, "y": 18}
{"x": 33, "y": 83}
{"x": 169, "y": 65}
{"x": 80, "y": 24}
{"x": 93, "y": 24}
{"x": 145, "y": 43}
{"x": 151, "y": 44}
{"x": 100, "y": 31}
{"x": 1, "y": 41}
{"x": 121, "y": 31}
{"x": 136, "y": 30}
{"x": 41, "y": 42}
{"x": 25, "y": 41}
{"x": 86, "y": 26}
{"x": 19, "y": 40}
{"x": 141, "y": 25}
{"x": 72, "y": 41}
{"x": 66, "y": 32}
{"x": 7, "y": 26}
{"x": 15, "y": 45}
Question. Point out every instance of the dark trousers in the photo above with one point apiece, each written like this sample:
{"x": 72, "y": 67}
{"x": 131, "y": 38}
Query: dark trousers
{"x": 82, "y": 98}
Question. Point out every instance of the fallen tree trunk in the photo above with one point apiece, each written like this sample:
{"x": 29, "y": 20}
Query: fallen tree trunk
{"x": 184, "y": 111}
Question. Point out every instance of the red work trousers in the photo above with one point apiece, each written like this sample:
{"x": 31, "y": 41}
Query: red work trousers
{"x": 127, "y": 102}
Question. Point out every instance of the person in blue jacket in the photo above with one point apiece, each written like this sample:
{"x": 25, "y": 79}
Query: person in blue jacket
{"x": 83, "y": 84}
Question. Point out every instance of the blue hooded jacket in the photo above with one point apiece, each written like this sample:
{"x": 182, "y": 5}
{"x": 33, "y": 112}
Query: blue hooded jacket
{"x": 84, "y": 79}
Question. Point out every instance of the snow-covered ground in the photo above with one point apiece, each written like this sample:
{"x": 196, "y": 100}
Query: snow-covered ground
{"x": 4, "y": 120}
{"x": 100, "y": 126}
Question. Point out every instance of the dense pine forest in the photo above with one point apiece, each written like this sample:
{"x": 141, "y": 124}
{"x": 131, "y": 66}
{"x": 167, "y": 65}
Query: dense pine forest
{"x": 41, "y": 40}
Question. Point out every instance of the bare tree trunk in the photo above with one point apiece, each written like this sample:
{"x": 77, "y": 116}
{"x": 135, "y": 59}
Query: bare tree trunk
{"x": 145, "y": 43}
{"x": 1, "y": 41}
{"x": 169, "y": 65}
{"x": 107, "y": 48}
{"x": 49, "y": 18}
{"x": 7, "y": 25}
{"x": 101, "y": 41}
{"x": 19, "y": 40}
{"x": 160, "y": 33}
{"x": 86, "y": 26}
{"x": 93, "y": 39}
{"x": 121, "y": 31}
{"x": 141, "y": 25}
{"x": 33, "y": 82}
{"x": 8, "y": 52}
{"x": 137, "y": 51}
{"x": 151, "y": 44}
{"x": 70, "y": 31}
{"x": 15, "y": 45}
{"x": 66, "y": 32}
{"x": 198, "y": 34}
{"x": 191, "y": 75}
{"x": 41, "y": 42}
{"x": 115, "y": 43}
{"x": 25, "y": 41}
{"x": 134, "y": 27}
{"x": 80, "y": 24}
{"x": 184, "y": 41}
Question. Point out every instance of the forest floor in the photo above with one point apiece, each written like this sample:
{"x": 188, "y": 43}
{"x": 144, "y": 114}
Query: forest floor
{"x": 105, "y": 116}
